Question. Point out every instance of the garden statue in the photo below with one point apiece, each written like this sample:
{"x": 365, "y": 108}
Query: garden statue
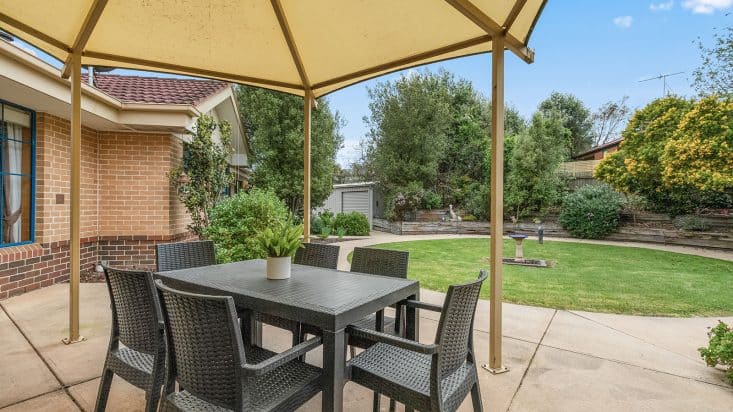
{"x": 452, "y": 217}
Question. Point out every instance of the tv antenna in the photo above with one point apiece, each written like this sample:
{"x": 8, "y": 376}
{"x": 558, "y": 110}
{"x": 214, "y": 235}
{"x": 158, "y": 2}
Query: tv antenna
{"x": 666, "y": 90}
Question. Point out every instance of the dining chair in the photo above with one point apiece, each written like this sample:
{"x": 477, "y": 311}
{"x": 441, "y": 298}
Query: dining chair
{"x": 382, "y": 262}
{"x": 427, "y": 377}
{"x": 207, "y": 357}
{"x": 184, "y": 255}
{"x": 137, "y": 324}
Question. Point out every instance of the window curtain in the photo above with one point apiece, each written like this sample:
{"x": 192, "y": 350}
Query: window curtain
{"x": 13, "y": 163}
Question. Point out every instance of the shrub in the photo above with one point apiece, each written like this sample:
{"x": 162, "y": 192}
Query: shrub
{"x": 237, "y": 221}
{"x": 353, "y": 224}
{"x": 692, "y": 223}
{"x": 469, "y": 218}
{"x": 592, "y": 212}
{"x": 324, "y": 219}
{"x": 431, "y": 200}
{"x": 402, "y": 203}
{"x": 720, "y": 348}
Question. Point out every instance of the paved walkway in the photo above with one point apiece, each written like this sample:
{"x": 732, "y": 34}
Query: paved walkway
{"x": 558, "y": 360}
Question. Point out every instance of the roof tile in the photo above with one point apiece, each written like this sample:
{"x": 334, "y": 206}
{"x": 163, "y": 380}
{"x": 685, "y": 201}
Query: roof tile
{"x": 156, "y": 90}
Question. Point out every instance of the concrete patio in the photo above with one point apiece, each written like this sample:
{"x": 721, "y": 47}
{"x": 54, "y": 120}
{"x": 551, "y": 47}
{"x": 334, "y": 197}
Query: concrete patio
{"x": 558, "y": 360}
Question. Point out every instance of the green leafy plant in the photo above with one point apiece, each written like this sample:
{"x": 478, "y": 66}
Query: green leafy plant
{"x": 340, "y": 232}
{"x": 692, "y": 223}
{"x": 431, "y": 200}
{"x": 324, "y": 233}
{"x": 281, "y": 241}
{"x": 353, "y": 223}
{"x": 203, "y": 172}
{"x": 236, "y": 221}
{"x": 592, "y": 212}
{"x": 720, "y": 348}
{"x": 469, "y": 218}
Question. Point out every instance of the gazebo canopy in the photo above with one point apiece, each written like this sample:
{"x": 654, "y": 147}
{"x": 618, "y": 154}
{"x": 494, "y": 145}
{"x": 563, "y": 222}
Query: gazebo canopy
{"x": 287, "y": 45}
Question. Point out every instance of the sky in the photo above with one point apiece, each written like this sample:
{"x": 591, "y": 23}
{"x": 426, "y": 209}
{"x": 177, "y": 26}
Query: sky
{"x": 597, "y": 50}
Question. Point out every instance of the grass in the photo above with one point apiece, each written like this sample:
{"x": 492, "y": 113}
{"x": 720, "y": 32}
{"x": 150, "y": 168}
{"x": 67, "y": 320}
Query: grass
{"x": 588, "y": 277}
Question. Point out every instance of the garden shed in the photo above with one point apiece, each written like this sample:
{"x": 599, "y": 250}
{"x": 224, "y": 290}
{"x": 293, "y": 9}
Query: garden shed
{"x": 353, "y": 197}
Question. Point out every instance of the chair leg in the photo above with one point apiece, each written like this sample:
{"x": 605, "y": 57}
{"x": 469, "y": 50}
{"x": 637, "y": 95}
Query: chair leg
{"x": 476, "y": 398}
{"x": 375, "y": 404}
{"x": 104, "y": 387}
{"x": 151, "y": 400}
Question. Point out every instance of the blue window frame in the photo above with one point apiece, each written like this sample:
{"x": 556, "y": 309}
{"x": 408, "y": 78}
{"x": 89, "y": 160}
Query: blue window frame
{"x": 17, "y": 174}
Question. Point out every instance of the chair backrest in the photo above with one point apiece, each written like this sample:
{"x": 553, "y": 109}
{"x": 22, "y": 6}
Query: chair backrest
{"x": 205, "y": 350}
{"x": 136, "y": 313}
{"x": 380, "y": 262}
{"x": 184, "y": 255}
{"x": 455, "y": 328}
{"x": 318, "y": 254}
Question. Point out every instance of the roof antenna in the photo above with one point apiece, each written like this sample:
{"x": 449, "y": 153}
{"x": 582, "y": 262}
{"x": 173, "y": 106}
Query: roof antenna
{"x": 665, "y": 90}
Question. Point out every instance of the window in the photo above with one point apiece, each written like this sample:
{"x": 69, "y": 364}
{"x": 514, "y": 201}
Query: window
{"x": 17, "y": 174}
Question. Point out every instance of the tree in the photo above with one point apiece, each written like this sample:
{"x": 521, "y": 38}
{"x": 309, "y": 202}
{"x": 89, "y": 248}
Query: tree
{"x": 408, "y": 127}
{"x": 534, "y": 184}
{"x": 608, "y": 119}
{"x": 575, "y": 117}
{"x": 715, "y": 74}
{"x": 274, "y": 123}
{"x": 700, "y": 152}
{"x": 645, "y": 164}
{"x": 204, "y": 171}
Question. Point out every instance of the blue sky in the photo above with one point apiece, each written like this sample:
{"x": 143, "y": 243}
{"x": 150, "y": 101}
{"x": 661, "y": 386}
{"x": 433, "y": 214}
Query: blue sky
{"x": 597, "y": 50}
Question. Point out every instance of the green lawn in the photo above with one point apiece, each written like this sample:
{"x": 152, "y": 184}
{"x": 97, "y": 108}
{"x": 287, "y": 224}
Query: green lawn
{"x": 584, "y": 276}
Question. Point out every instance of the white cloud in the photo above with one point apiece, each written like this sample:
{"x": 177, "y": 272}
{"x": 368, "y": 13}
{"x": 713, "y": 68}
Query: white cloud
{"x": 623, "y": 21}
{"x": 663, "y": 6}
{"x": 706, "y": 6}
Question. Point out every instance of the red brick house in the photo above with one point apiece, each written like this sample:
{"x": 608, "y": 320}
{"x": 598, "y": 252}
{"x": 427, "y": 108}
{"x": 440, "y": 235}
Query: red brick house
{"x": 133, "y": 134}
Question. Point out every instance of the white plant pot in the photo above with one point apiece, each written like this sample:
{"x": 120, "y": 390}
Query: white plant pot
{"x": 278, "y": 267}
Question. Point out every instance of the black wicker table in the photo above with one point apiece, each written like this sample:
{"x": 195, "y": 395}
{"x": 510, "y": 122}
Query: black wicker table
{"x": 325, "y": 298}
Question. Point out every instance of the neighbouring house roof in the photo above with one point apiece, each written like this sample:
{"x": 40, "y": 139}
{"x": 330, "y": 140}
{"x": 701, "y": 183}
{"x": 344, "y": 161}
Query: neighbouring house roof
{"x": 156, "y": 90}
{"x": 599, "y": 148}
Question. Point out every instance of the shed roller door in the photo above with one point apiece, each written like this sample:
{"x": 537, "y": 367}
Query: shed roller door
{"x": 356, "y": 202}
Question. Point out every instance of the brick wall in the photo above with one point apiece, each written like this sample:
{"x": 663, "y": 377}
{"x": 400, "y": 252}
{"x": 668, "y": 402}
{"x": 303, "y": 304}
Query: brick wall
{"x": 127, "y": 204}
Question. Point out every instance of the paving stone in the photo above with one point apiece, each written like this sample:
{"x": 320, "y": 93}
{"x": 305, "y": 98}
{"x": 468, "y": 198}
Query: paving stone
{"x": 23, "y": 374}
{"x": 57, "y": 401}
{"x": 563, "y": 381}
{"x": 123, "y": 396}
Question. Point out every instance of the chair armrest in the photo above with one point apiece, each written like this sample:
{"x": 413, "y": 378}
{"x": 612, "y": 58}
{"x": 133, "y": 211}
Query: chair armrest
{"x": 281, "y": 359}
{"x": 421, "y": 305}
{"x": 393, "y": 340}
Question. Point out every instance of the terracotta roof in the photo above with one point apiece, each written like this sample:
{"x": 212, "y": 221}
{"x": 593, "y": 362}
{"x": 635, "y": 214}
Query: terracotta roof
{"x": 156, "y": 90}
{"x": 600, "y": 147}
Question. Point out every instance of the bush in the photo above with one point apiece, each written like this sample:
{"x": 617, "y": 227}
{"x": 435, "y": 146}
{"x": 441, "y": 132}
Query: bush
{"x": 692, "y": 223}
{"x": 720, "y": 348}
{"x": 469, "y": 218}
{"x": 323, "y": 220}
{"x": 431, "y": 200}
{"x": 353, "y": 224}
{"x": 402, "y": 203}
{"x": 237, "y": 221}
{"x": 592, "y": 212}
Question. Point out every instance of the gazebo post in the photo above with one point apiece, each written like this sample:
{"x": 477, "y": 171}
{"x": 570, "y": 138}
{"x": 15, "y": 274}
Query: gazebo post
{"x": 497, "y": 205}
{"x": 75, "y": 195}
{"x": 307, "y": 109}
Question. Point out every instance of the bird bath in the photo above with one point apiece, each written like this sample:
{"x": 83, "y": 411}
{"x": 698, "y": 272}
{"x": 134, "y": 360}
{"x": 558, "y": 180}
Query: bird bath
{"x": 518, "y": 258}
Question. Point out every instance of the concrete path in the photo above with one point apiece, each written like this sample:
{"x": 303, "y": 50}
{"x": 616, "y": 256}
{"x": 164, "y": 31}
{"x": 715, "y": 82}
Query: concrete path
{"x": 558, "y": 360}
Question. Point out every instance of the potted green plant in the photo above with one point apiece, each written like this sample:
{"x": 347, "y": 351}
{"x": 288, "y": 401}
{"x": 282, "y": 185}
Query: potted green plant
{"x": 280, "y": 245}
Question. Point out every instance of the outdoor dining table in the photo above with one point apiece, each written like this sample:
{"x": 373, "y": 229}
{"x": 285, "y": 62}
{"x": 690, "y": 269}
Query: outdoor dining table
{"x": 326, "y": 298}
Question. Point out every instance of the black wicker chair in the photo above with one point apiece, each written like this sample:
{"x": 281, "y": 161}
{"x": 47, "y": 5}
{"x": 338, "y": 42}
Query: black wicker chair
{"x": 434, "y": 377}
{"x": 318, "y": 254}
{"x": 137, "y": 324}
{"x": 207, "y": 357}
{"x": 184, "y": 255}
{"x": 383, "y": 262}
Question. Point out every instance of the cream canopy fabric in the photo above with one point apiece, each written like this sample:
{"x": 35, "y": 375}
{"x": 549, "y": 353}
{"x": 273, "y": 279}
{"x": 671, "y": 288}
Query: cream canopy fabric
{"x": 287, "y": 45}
